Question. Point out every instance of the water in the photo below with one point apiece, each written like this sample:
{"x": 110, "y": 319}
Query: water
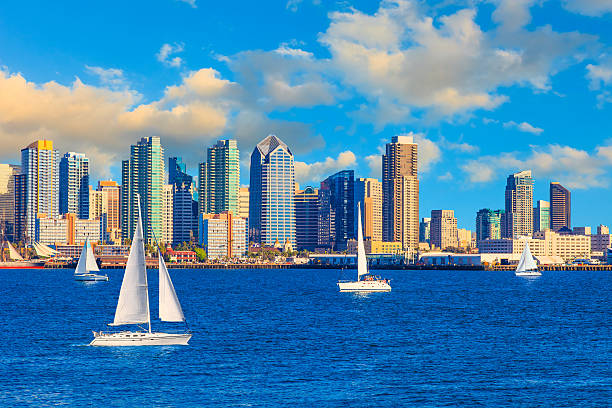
{"x": 288, "y": 338}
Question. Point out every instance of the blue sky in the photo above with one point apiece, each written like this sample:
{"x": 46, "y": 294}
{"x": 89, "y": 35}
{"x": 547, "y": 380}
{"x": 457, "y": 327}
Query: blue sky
{"x": 487, "y": 88}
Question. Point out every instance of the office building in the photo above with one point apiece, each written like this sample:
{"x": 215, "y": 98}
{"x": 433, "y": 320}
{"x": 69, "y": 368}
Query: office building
{"x": 306, "y": 218}
{"x": 167, "y": 234}
{"x": 401, "y": 192}
{"x": 464, "y": 238}
{"x": 7, "y": 200}
{"x": 443, "y": 233}
{"x": 220, "y": 179}
{"x": 425, "y": 230}
{"x": 111, "y": 199}
{"x": 40, "y": 165}
{"x": 337, "y": 211}
{"x": 96, "y": 204}
{"x": 560, "y": 207}
{"x": 20, "y": 222}
{"x": 185, "y": 215}
{"x": 581, "y": 230}
{"x": 518, "y": 218}
{"x": 66, "y": 229}
{"x": 488, "y": 224}
{"x": 368, "y": 193}
{"x": 541, "y": 216}
{"x": 243, "y": 202}
{"x": 177, "y": 171}
{"x": 271, "y": 193}
{"x": 602, "y": 229}
{"x": 74, "y": 185}
{"x": 223, "y": 235}
{"x": 143, "y": 175}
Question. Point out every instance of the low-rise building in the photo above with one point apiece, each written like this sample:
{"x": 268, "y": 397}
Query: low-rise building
{"x": 376, "y": 247}
{"x": 181, "y": 256}
{"x": 223, "y": 235}
{"x": 66, "y": 230}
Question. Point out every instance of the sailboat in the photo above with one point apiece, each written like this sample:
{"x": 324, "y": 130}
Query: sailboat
{"x": 87, "y": 265}
{"x": 527, "y": 266}
{"x": 133, "y": 303}
{"x": 368, "y": 283}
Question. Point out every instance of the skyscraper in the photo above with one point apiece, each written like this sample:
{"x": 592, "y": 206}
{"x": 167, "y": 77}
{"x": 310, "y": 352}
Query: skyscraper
{"x": 541, "y": 216}
{"x": 272, "y": 189}
{"x": 220, "y": 178}
{"x": 443, "y": 229}
{"x": 74, "y": 185}
{"x": 518, "y": 218}
{"x": 177, "y": 171}
{"x": 425, "y": 230}
{"x": 306, "y": 218}
{"x": 401, "y": 192}
{"x": 143, "y": 174}
{"x": 560, "y": 207}
{"x": 7, "y": 200}
{"x": 368, "y": 192}
{"x": 185, "y": 216}
{"x": 40, "y": 165}
{"x": 488, "y": 224}
{"x": 167, "y": 234}
{"x": 243, "y": 202}
{"x": 339, "y": 209}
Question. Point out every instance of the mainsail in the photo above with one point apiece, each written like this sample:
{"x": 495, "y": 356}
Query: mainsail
{"x": 362, "y": 263}
{"x": 133, "y": 304}
{"x": 526, "y": 263}
{"x": 87, "y": 261}
{"x": 13, "y": 254}
{"x": 169, "y": 306}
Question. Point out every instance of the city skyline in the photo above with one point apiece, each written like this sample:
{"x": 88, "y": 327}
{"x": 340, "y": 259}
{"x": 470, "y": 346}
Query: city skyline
{"x": 470, "y": 102}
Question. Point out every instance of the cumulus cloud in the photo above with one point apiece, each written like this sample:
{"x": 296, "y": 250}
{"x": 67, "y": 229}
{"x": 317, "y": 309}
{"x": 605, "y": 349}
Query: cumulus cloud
{"x": 591, "y": 8}
{"x": 523, "y": 127}
{"x": 575, "y": 168}
{"x": 444, "y": 64}
{"x": 317, "y": 171}
{"x": 600, "y": 77}
{"x": 111, "y": 77}
{"x": 165, "y": 54}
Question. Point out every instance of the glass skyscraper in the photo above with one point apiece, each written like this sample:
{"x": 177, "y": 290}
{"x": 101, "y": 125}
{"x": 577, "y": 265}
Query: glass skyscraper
{"x": 184, "y": 218}
{"x": 74, "y": 185}
{"x": 518, "y": 218}
{"x": 560, "y": 207}
{"x": 272, "y": 189}
{"x": 143, "y": 174}
{"x": 40, "y": 166}
{"x": 488, "y": 224}
{"x": 337, "y": 210}
{"x": 220, "y": 179}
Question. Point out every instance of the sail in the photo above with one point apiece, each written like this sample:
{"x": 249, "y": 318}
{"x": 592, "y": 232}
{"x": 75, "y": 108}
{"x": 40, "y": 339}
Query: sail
{"x": 13, "y": 254}
{"x": 133, "y": 304}
{"x": 43, "y": 250}
{"x": 526, "y": 263}
{"x": 362, "y": 263}
{"x": 169, "y": 306}
{"x": 87, "y": 261}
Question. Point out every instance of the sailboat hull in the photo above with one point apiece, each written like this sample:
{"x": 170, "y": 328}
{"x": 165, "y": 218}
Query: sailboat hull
{"x": 528, "y": 274}
{"x": 131, "y": 339}
{"x": 88, "y": 277}
{"x": 364, "y": 286}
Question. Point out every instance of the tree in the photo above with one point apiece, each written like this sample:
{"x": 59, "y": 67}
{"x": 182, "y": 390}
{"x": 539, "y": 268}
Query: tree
{"x": 200, "y": 253}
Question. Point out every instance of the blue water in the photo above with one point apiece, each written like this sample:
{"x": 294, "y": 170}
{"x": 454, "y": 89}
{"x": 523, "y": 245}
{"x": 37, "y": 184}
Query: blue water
{"x": 288, "y": 338}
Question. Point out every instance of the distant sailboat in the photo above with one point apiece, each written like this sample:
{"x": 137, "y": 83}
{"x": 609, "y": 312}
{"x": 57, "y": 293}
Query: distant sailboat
{"x": 87, "y": 265}
{"x": 369, "y": 283}
{"x": 527, "y": 266}
{"x": 133, "y": 303}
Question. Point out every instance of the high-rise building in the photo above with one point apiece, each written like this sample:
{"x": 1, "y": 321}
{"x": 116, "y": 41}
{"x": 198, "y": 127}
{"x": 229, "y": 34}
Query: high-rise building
{"x": 177, "y": 171}
{"x": 40, "y": 165}
{"x": 401, "y": 192}
{"x": 518, "y": 220}
{"x": 560, "y": 207}
{"x": 368, "y": 192}
{"x": 20, "y": 207}
{"x": 222, "y": 235}
{"x": 602, "y": 229}
{"x": 271, "y": 193}
{"x": 541, "y": 216}
{"x": 74, "y": 185}
{"x": 7, "y": 200}
{"x": 306, "y": 218}
{"x": 167, "y": 234}
{"x": 337, "y": 210}
{"x": 220, "y": 178}
{"x": 443, "y": 229}
{"x": 143, "y": 175}
{"x": 488, "y": 224}
{"x": 464, "y": 238}
{"x": 184, "y": 219}
{"x": 243, "y": 202}
{"x": 425, "y": 230}
{"x": 111, "y": 196}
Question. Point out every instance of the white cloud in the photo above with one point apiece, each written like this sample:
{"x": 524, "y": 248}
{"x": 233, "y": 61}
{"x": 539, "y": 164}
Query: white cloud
{"x": 523, "y": 127}
{"x": 319, "y": 171}
{"x": 375, "y": 164}
{"x": 446, "y": 176}
{"x": 591, "y": 8}
{"x": 192, "y": 3}
{"x": 165, "y": 54}
{"x": 111, "y": 77}
{"x": 574, "y": 168}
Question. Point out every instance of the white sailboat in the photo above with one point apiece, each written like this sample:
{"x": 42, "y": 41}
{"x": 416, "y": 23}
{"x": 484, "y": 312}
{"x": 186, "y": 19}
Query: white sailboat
{"x": 368, "y": 283}
{"x": 87, "y": 265}
{"x": 527, "y": 266}
{"x": 133, "y": 304}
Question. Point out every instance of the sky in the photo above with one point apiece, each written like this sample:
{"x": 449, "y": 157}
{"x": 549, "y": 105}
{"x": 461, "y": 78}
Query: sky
{"x": 487, "y": 88}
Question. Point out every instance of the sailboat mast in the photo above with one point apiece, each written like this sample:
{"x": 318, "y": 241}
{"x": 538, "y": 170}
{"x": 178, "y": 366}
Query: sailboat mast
{"x": 146, "y": 279}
